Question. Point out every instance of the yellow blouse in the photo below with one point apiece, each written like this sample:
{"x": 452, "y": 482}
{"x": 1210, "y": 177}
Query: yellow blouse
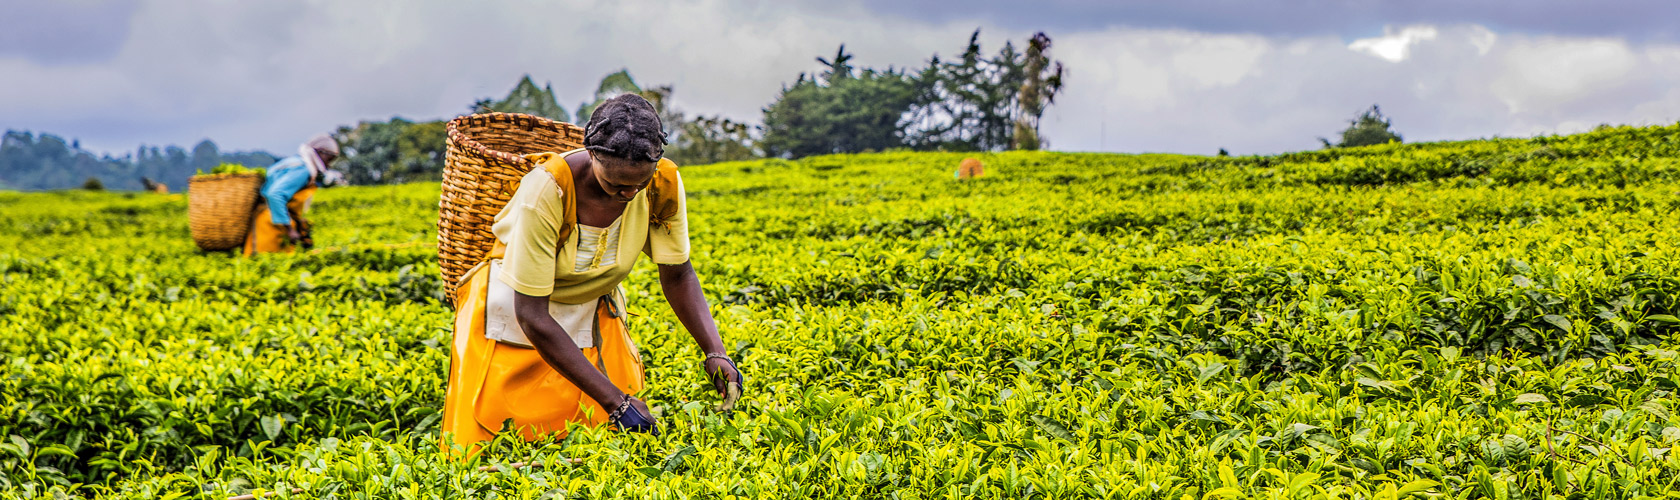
{"x": 530, "y": 225}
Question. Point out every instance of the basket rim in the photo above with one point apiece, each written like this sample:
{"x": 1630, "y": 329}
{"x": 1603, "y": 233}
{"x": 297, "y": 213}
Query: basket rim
{"x": 526, "y": 121}
{"x": 219, "y": 177}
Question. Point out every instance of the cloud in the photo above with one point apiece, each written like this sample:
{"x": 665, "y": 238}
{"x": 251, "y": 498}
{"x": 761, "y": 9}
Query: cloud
{"x": 266, "y": 74}
{"x": 1463, "y": 82}
{"x": 269, "y": 74}
{"x": 64, "y": 32}
{"x": 1641, "y": 20}
{"x": 1395, "y": 45}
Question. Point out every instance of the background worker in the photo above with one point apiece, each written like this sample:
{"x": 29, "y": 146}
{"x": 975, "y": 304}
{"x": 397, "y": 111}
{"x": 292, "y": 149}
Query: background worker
{"x": 278, "y": 224}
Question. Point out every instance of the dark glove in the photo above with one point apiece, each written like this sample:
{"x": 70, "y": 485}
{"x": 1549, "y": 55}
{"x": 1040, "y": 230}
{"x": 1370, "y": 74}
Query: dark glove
{"x": 630, "y": 417}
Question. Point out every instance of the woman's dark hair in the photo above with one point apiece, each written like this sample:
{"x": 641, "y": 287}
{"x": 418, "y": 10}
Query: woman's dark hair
{"x": 626, "y": 126}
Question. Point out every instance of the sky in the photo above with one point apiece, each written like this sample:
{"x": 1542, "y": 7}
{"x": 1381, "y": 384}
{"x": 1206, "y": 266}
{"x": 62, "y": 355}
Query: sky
{"x": 1187, "y": 76}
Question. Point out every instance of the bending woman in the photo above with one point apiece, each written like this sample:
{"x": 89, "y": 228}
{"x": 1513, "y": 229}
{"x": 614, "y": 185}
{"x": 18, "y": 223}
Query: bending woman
{"x": 540, "y": 339}
{"x": 278, "y": 223}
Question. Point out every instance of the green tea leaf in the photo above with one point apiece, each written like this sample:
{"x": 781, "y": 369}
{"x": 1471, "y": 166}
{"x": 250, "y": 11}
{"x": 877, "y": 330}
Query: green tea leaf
{"x": 675, "y": 459}
{"x": 1206, "y": 373}
{"x": 1414, "y": 487}
{"x": 1052, "y": 427}
{"x": 1560, "y": 322}
{"x": 1583, "y": 400}
{"x": 271, "y": 425}
{"x": 22, "y": 445}
{"x": 1656, "y": 409}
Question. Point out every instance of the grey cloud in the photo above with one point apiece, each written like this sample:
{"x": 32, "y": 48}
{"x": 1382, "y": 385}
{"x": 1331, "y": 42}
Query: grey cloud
{"x": 1636, "y": 19}
{"x": 64, "y": 32}
{"x": 265, "y": 74}
{"x": 1300, "y": 89}
{"x": 269, "y": 74}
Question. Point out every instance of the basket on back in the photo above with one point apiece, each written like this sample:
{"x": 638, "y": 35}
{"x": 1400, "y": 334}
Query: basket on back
{"x": 219, "y": 208}
{"x": 481, "y": 169}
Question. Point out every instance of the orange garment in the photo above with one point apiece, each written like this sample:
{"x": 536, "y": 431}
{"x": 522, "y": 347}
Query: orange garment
{"x": 970, "y": 168}
{"x": 265, "y": 236}
{"x": 490, "y": 381}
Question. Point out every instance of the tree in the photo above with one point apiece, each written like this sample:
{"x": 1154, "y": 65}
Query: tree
{"x": 706, "y": 140}
{"x": 843, "y": 110}
{"x": 526, "y": 98}
{"x": 1371, "y": 127}
{"x": 205, "y": 156}
{"x": 1044, "y": 81}
{"x": 980, "y": 104}
{"x": 45, "y": 161}
{"x": 249, "y": 158}
{"x": 840, "y": 67}
{"x": 974, "y": 103}
{"x": 392, "y": 152}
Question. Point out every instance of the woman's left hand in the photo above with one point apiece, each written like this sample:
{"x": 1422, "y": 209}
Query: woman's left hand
{"x": 727, "y": 380}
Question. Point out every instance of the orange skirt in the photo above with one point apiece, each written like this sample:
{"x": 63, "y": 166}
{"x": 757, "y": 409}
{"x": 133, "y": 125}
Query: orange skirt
{"x": 265, "y": 235}
{"x": 492, "y": 382}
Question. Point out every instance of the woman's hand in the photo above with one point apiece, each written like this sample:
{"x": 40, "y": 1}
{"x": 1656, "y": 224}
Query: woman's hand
{"x": 726, "y": 379}
{"x": 634, "y": 416}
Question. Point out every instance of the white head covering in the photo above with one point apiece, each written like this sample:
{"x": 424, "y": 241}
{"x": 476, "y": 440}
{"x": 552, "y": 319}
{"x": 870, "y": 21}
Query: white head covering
{"x": 322, "y": 142}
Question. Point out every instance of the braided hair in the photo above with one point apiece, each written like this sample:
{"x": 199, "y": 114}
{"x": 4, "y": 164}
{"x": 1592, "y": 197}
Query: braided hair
{"x": 626, "y": 126}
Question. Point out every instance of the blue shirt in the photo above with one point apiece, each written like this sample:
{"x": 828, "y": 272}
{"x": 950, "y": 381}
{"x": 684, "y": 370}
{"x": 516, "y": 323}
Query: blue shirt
{"x": 285, "y": 179}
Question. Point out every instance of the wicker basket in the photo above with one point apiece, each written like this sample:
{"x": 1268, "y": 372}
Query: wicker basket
{"x": 219, "y": 209}
{"x": 481, "y": 169}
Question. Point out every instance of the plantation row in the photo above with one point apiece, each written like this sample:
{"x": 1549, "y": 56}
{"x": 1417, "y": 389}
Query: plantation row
{"x": 1478, "y": 319}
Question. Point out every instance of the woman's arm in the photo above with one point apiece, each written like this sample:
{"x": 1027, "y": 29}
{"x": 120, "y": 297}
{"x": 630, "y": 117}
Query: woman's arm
{"x": 557, "y": 348}
{"x": 682, "y": 289}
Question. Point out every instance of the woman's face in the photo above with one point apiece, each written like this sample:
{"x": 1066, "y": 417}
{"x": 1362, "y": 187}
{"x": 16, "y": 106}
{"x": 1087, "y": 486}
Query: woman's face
{"x": 621, "y": 178}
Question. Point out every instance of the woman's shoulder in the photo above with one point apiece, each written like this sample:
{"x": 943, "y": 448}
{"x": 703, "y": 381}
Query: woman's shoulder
{"x": 666, "y": 172}
{"x": 287, "y": 162}
{"x": 538, "y": 186}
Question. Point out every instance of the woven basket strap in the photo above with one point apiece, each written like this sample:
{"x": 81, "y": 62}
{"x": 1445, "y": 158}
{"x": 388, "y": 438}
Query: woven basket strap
{"x": 662, "y": 195}
{"x": 562, "y": 174}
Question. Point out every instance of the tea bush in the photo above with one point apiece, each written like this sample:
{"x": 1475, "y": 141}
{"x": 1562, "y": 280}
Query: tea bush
{"x": 1479, "y": 319}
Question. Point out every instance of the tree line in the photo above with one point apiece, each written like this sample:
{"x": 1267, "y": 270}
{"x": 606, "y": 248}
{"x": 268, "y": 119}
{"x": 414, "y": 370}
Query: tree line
{"x": 34, "y": 162}
{"x": 976, "y": 101}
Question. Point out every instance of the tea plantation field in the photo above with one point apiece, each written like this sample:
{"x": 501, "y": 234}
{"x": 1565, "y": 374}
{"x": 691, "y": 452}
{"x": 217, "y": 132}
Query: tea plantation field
{"x": 1482, "y": 319}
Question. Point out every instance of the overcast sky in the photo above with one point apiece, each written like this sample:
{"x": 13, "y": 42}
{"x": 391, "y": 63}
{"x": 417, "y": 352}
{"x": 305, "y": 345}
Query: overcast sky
{"x": 1186, "y": 76}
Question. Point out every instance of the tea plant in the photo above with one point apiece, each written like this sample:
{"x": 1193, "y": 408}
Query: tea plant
{"x": 1481, "y": 319}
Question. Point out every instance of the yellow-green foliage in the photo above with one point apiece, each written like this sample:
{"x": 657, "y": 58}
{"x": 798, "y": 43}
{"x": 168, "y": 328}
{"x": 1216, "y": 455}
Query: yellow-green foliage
{"x": 1486, "y": 319}
{"x": 234, "y": 168}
